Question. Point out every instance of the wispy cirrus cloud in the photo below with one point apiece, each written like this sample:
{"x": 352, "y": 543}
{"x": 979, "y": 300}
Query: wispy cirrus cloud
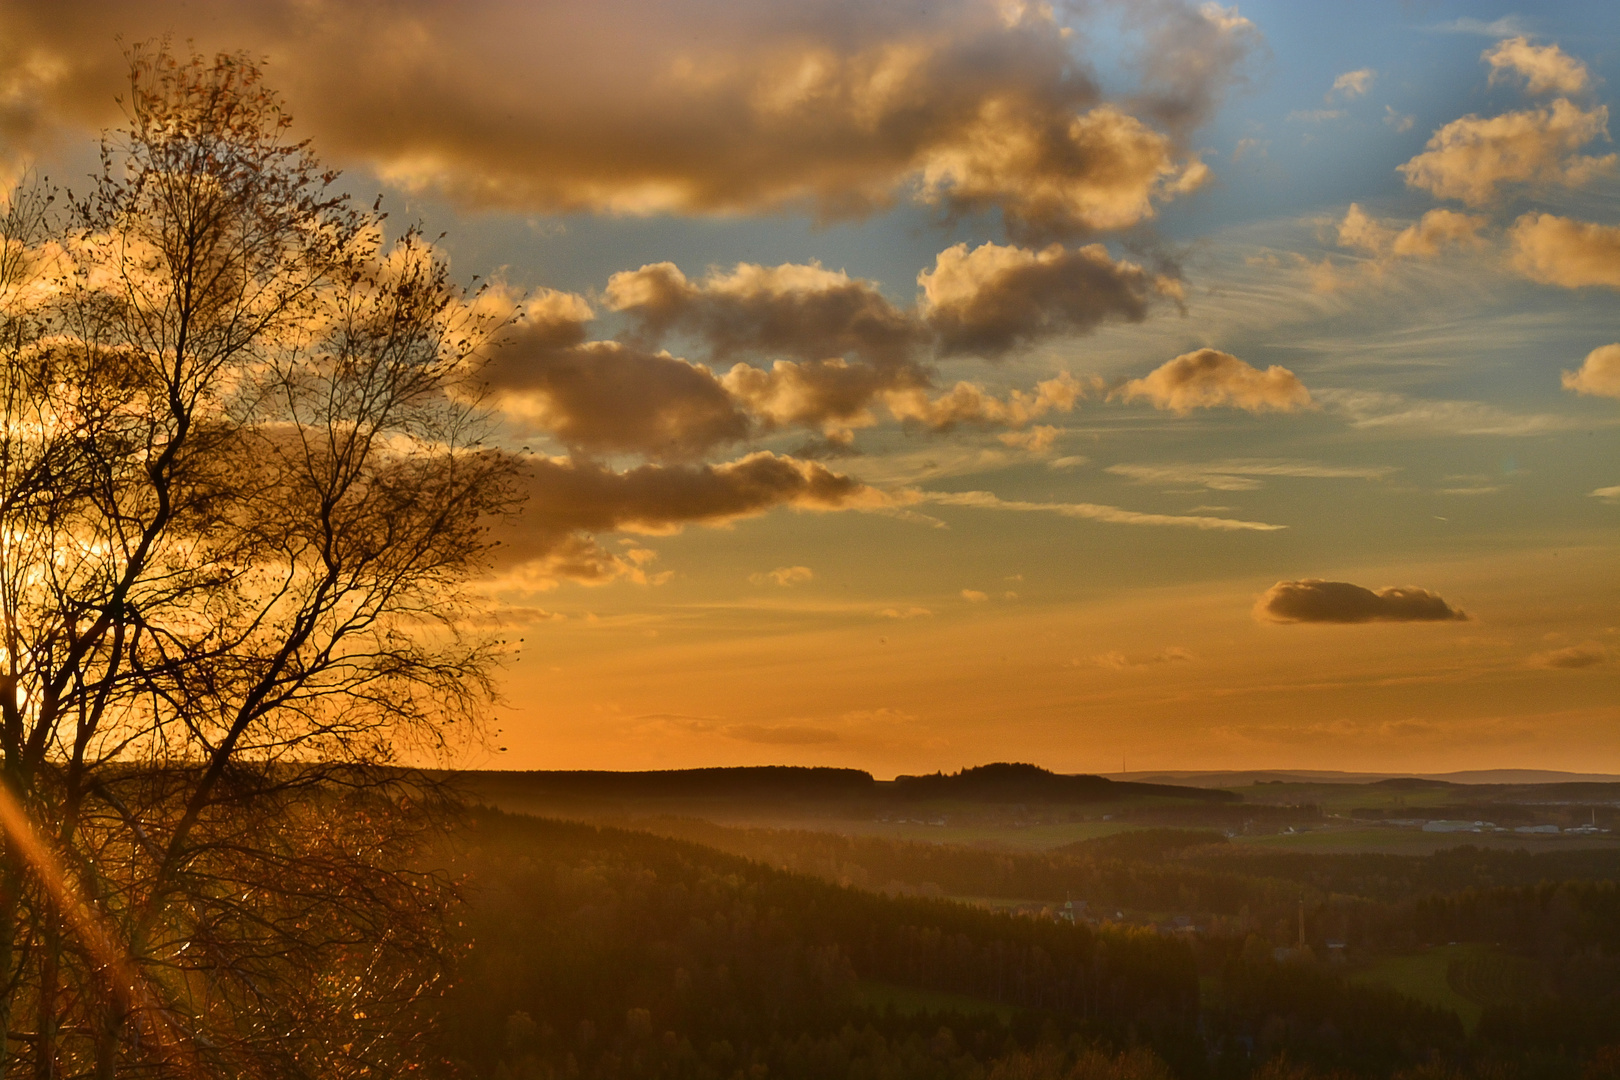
{"x": 1113, "y": 515}
{"x": 1243, "y": 475}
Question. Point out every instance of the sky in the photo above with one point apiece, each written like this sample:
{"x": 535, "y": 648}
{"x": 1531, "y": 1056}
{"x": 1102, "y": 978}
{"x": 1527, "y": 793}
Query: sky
{"x": 911, "y": 385}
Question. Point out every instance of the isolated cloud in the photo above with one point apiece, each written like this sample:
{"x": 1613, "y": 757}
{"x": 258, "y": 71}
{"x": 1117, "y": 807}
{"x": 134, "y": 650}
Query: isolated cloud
{"x": 1470, "y": 158}
{"x": 702, "y": 106}
{"x": 571, "y": 502}
{"x": 785, "y": 576}
{"x": 1352, "y": 84}
{"x": 1546, "y": 69}
{"x": 995, "y": 298}
{"x": 1119, "y": 661}
{"x": 1599, "y": 374}
{"x": 1315, "y": 600}
{"x": 1574, "y": 657}
{"x": 1562, "y": 251}
{"x": 1209, "y": 378}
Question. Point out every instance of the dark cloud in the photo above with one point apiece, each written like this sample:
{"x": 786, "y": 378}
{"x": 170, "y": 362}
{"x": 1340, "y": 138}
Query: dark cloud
{"x": 570, "y": 503}
{"x": 1315, "y": 600}
{"x": 607, "y": 397}
{"x": 996, "y": 298}
{"x": 703, "y": 106}
{"x": 796, "y": 311}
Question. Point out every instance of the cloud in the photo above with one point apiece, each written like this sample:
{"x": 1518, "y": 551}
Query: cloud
{"x": 904, "y": 613}
{"x": 1436, "y": 230}
{"x": 1427, "y": 237}
{"x": 999, "y": 297}
{"x": 852, "y": 351}
{"x": 570, "y": 502}
{"x": 969, "y": 403}
{"x": 1378, "y": 409}
{"x": 1094, "y": 512}
{"x": 1503, "y": 27}
{"x": 1209, "y": 378}
{"x": 1469, "y": 158}
{"x": 779, "y": 734}
{"x": 974, "y": 596}
{"x": 1607, "y": 493}
{"x": 1599, "y": 374}
{"x": 1546, "y": 69}
{"x": 1243, "y": 475}
{"x": 1352, "y": 84}
{"x": 1574, "y": 657}
{"x": 1315, "y": 116}
{"x": 785, "y": 576}
{"x": 708, "y": 106}
{"x": 1190, "y": 54}
{"x": 1562, "y": 251}
{"x": 606, "y": 397}
{"x": 793, "y": 310}
{"x": 1118, "y": 661}
{"x": 1401, "y": 122}
{"x": 1315, "y": 600}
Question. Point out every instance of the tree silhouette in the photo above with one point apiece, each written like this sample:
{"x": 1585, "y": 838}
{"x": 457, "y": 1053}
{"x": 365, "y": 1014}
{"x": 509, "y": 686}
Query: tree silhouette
{"x": 243, "y": 483}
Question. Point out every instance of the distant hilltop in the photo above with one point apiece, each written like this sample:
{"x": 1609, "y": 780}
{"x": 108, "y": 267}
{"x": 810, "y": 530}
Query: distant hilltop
{"x": 1000, "y": 782}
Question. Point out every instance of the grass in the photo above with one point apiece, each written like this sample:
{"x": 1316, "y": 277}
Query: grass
{"x": 1425, "y": 975}
{"x": 909, "y": 1001}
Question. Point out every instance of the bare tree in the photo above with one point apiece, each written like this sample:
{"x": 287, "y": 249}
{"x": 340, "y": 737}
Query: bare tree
{"x": 243, "y": 484}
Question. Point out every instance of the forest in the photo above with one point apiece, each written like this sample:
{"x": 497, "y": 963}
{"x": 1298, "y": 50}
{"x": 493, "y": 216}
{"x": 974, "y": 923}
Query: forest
{"x": 677, "y": 947}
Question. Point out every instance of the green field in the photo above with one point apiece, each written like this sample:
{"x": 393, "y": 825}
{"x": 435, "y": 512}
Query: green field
{"x": 909, "y": 1001}
{"x": 1426, "y": 976}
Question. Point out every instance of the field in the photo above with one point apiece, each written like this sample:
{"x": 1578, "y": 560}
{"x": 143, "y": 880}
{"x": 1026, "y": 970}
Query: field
{"x": 1427, "y": 975}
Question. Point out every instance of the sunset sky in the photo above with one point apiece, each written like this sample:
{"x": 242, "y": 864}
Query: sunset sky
{"x": 912, "y": 385}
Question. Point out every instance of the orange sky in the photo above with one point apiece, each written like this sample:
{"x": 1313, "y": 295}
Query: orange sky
{"x": 908, "y": 389}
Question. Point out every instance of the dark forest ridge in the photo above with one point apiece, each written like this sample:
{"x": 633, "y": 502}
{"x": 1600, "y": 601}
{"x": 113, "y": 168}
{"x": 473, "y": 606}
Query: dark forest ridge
{"x": 997, "y": 782}
{"x": 1245, "y": 777}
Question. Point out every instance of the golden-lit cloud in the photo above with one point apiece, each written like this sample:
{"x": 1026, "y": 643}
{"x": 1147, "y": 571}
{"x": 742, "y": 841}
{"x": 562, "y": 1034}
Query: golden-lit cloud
{"x": 1598, "y": 374}
{"x": 1115, "y": 660}
{"x": 970, "y": 404}
{"x": 1437, "y": 230}
{"x": 1588, "y": 654}
{"x": 1470, "y": 158}
{"x": 1352, "y": 84}
{"x": 1209, "y": 378}
{"x": 1113, "y": 515}
{"x": 1545, "y": 69}
{"x": 785, "y": 576}
{"x": 1057, "y": 174}
{"x": 1241, "y": 475}
{"x": 996, "y": 297}
{"x": 1562, "y": 251}
{"x": 571, "y": 502}
{"x": 1316, "y": 601}
{"x": 700, "y": 107}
